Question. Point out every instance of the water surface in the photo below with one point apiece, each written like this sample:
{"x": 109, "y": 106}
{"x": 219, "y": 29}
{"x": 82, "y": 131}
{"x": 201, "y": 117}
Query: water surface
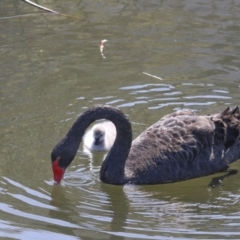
{"x": 52, "y": 70}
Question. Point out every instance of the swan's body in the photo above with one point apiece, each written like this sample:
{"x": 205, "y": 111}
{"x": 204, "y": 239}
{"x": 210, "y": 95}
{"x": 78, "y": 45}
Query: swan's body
{"x": 100, "y": 137}
{"x": 178, "y": 147}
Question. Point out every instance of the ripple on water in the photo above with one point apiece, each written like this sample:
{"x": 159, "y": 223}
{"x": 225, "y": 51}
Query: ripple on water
{"x": 129, "y": 211}
{"x": 78, "y": 178}
{"x": 146, "y": 212}
{"x": 7, "y": 230}
{"x": 154, "y": 95}
{"x": 26, "y": 210}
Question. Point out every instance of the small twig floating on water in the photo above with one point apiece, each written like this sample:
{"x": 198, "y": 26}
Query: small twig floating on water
{"x": 152, "y": 75}
{"x": 49, "y": 10}
{"x": 102, "y": 47}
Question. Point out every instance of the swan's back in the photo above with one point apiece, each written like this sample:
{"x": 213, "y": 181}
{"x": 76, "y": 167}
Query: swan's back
{"x": 182, "y": 146}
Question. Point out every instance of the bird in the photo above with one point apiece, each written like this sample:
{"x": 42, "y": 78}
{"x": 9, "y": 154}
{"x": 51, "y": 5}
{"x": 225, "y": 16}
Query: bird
{"x": 178, "y": 147}
{"x": 100, "y": 137}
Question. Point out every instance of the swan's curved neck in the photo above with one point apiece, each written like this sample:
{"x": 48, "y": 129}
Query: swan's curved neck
{"x": 112, "y": 169}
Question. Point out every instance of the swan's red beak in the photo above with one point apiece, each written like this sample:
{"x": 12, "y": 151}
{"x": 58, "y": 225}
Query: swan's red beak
{"x": 58, "y": 172}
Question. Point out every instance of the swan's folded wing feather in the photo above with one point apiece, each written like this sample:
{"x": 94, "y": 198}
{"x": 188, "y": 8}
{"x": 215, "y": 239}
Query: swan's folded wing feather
{"x": 186, "y": 146}
{"x": 189, "y": 134}
{"x": 182, "y": 112}
{"x": 170, "y": 147}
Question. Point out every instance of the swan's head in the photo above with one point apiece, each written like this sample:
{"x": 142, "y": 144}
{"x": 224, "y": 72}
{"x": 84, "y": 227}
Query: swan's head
{"x": 61, "y": 156}
{"x": 98, "y": 135}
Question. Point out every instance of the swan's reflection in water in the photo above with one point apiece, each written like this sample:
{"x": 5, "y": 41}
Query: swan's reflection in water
{"x": 93, "y": 166}
{"x": 99, "y": 216}
{"x": 65, "y": 209}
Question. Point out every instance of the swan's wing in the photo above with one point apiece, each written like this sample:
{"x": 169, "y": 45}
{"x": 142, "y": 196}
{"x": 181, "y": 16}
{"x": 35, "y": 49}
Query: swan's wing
{"x": 185, "y": 146}
{"x": 185, "y": 112}
{"x": 177, "y": 123}
{"x": 182, "y": 133}
{"x": 171, "y": 149}
{"x": 228, "y": 126}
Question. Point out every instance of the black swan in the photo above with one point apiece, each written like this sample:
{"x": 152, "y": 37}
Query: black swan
{"x": 178, "y": 147}
{"x": 100, "y": 137}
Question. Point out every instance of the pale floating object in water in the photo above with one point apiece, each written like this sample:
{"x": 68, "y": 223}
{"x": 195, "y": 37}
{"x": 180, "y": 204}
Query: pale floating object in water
{"x": 102, "y": 47}
{"x": 152, "y": 75}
